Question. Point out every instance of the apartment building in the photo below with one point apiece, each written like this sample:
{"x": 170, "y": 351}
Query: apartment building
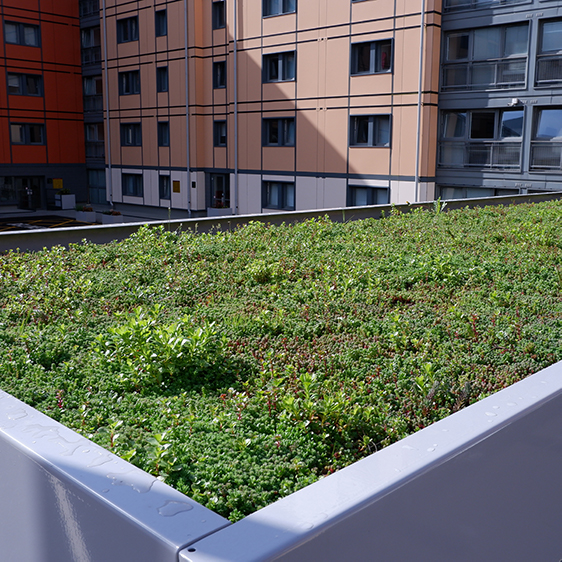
{"x": 290, "y": 105}
{"x": 216, "y": 107}
{"x": 500, "y": 98}
{"x": 41, "y": 119}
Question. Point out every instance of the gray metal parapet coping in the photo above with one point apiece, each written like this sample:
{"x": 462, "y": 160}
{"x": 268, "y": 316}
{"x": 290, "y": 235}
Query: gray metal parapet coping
{"x": 39, "y": 239}
{"x": 483, "y": 484}
{"x": 66, "y": 499}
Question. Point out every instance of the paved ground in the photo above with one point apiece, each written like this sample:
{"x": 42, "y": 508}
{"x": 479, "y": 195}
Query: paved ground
{"x": 18, "y": 222}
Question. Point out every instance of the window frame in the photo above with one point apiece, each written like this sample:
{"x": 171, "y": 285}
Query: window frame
{"x": 26, "y": 135}
{"x": 162, "y": 77}
{"x": 136, "y": 186}
{"x": 129, "y": 82}
{"x": 286, "y": 131}
{"x": 463, "y": 147}
{"x": 284, "y": 187}
{"x": 544, "y": 57}
{"x": 500, "y": 66}
{"x": 373, "y": 193}
{"x": 373, "y": 131}
{"x": 23, "y": 89}
{"x": 374, "y": 52}
{"x": 131, "y": 134}
{"x": 161, "y": 23}
{"x": 164, "y": 186}
{"x": 163, "y": 133}
{"x": 21, "y": 33}
{"x": 218, "y": 14}
{"x": 219, "y": 76}
{"x": 220, "y": 132}
{"x": 128, "y": 30}
{"x": 283, "y": 66}
{"x": 285, "y": 8}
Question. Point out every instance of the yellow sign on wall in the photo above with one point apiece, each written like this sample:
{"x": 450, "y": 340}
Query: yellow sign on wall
{"x": 57, "y": 183}
{"x": 176, "y": 186}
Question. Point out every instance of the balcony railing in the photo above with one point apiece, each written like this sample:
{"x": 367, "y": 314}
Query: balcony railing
{"x": 93, "y": 103}
{"x": 549, "y": 70}
{"x": 491, "y": 154}
{"x": 91, "y": 55}
{"x": 451, "y": 5}
{"x": 95, "y": 149}
{"x": 546, "y": 155}
{"x": 501, "y": 73}
{"x": 89, "y": 7}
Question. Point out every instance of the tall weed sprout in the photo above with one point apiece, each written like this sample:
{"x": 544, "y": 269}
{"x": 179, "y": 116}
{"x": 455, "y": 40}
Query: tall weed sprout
{"x": 147, "y": 353}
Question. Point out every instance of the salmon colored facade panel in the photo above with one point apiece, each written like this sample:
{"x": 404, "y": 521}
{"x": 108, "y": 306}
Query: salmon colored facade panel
{"x": 322, "y": 96}
{"x": 279, "y": 158}
{"x": 336, "y": 141}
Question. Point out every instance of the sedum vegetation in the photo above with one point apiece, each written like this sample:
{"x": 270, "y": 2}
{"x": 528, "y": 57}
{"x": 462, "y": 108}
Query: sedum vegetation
{"x": 242, "y": 366}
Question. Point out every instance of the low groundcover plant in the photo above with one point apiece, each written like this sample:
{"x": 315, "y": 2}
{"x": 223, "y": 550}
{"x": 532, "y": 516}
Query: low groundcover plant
{"x": 241, "y": 366}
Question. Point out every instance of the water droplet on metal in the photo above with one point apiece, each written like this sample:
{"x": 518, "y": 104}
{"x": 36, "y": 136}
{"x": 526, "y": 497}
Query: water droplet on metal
{"x": 491, "y": 414}
{"x": 171, "y": 508}
{"x": 511, "y": 404}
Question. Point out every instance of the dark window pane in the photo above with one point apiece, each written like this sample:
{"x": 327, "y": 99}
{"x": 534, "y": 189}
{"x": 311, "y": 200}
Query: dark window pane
{"x": 482, "y": 126}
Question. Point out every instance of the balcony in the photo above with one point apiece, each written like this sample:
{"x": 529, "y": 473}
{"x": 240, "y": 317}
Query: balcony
{"x": 546, "y": 155}
{"x": 95, "y": 149}
{"x": 483, "y": 154}
{"x": 549, "y": 70}
{"x": 458, "y": 5}
{"x": 497, "y": 74}
{"x": 93, "y": 103}
{"x": 89, "y": 7}
{"x": 91, "y": 55}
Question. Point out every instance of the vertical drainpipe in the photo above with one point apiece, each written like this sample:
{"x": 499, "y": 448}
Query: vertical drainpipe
{"x": 106, "y": 72}
{"x": 235, "y": 210}
{"x": 187, "y": 110}
{"x": 420, "y": 85}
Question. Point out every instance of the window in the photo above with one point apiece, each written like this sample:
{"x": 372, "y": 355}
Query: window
{"x": 93, "y": 93}
{"x": 279, "y": 132}
{"x": 220, "y": 191}
{"x": 450, "y": 5}
{"x": 219, "y": 74}
{"x": 277, "y": 7}
{"x": 219, "y": 14}
{"x": 370, "y": 130}
{"x": 131, "y": 184}
{"x": 457, "y": 192}
{"x": 128, "y": 30}
{"x": 279, "y": 195}
{"x": 129, "y": 82}
{"x": 360, "y": 195}
{"x": 161, "y": 23}
{"x": 162, "y": 79}
{"x": 279, "y": 67}
{"x": 27, "y": 133}
{"x": 481, "y": 138}
{"x": 25, "y": 84}
{"x": 164, "y": 187}
{"x": 164, "y": 133}
{"x": 91, "y": 41}
{"x": 371, "y": 58}
{"x": 131, "y": 134}
{"x": 21, "y": 33}
{"x": 219, "y": 133}
{"x": 549, "y": 58}
{"x": 546, "y": 146}
{"x": 94, "y": 133}
{"x": 89, "y": 7}
{"x": 488, "y": 57}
